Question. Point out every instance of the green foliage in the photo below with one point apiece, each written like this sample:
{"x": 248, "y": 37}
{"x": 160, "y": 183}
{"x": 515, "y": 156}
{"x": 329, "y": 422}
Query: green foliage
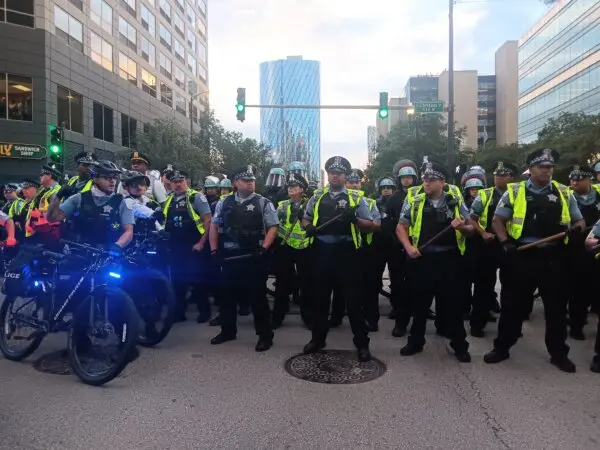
{"x": 211, "y": 149}
{"x": 575, "y": 135}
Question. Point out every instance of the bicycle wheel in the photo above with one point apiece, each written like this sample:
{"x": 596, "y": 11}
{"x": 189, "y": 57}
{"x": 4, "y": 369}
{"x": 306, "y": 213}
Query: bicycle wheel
{"x": 9, "y": 321}
{"x": 102, "y": 336}
{"x": 155, "y": 302}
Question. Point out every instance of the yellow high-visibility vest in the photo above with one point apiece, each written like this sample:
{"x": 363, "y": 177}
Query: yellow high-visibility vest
{"x": 191, "y": 211}
{"x": 354, "y": 197}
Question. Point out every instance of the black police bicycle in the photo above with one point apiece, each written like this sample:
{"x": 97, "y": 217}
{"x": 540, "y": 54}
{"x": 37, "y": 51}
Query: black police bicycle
{"x": 76, "y": 291}
{"x": 148, "y": 283}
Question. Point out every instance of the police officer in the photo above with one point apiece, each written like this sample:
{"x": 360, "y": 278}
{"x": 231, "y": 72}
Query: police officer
{"x": 19, "y": 212}
{"x": 489, "y": 261}
{"x": 225, "y": 187}
{"x": 100, "y": 216}
{"x": 581, "y": 264}
{"x": 527, "y": 212}
{"x": 36, "y": 213}
{"x": 211, "y": 190}
{"x": 592, "y": 243}
{"x": 293, "y": 254}
{"x": 141, "y": 163}
{"x": 434, "y": 269}
{"x": 274, "y": 184}
{"x": 342, "y": 213}
{"x": 148, "y": 213}
{"x": 8, "y": 223}
{"x": 164, "y": 178}
{"x": 242, "y": 231}
{"x": 10, "y": 208}
{"x": 406, "y": 173}
{"x": 82, "y": 181}
{"x": 187, "y": 220}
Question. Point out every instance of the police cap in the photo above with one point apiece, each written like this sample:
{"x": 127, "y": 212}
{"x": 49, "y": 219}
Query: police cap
{"x": 543, "y": 157}
{"x": 502, "y": 168}
{"x": 356, "y": 176}
{"x": 11, "y": 187}
{"x": 48, "y": 170}
{"x": 85, "y": 158}
{"x": 580, "y": 172}
{"x": 246, "y": 173}
{"x": 338, "y": 164}
{"x": 294, "y": 179}
{"x": 139, "y": 156}
{"x": 178, "y": 175}
{"x": 30, "y": 183}
{"x": 434, "y": 171}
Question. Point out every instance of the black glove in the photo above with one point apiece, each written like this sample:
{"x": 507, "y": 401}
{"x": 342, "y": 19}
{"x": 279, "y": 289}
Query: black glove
{"x": 509, "y": 247}
{"x": 575, "y": 233}
{"x": 311, "y": 230}
{"x": 66, "y": 192}
{"x": 158, "y": 216}
{"x": 349, "y": 215}
{"x": 215, "y": 256}
{"x": 261, "y": 251}
{"x": 115, "y": 250}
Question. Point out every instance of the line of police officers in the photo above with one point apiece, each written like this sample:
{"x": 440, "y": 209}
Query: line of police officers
{"x": 336, "y": 242}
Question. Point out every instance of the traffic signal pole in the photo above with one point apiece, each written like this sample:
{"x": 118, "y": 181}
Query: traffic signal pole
{"x": 394, "y": 107}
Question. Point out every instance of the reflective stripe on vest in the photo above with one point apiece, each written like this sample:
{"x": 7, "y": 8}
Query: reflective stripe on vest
{"x": 354, "y": 197}
{"x": 294, "y": 237}
{"x": 486, "y": 196}
{"x": 191, "y": 211}
{"x": 86, "y": 187}
{"x": 516, "y": 196}
{"x": 372, "y": 204}
{"x": 42, "y": 208}
{"x": 416, "y": 215}
{"x": 15, "y": 208}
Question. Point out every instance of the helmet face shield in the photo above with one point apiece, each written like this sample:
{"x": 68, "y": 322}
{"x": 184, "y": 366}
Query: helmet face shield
{"x": 275, "y": 180}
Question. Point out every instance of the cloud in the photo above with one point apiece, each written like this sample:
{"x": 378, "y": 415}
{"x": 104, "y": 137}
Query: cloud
{"x": 364, "y": 48}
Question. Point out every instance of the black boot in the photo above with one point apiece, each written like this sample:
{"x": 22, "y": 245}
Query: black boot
{"x": 577, "y": 334}
{"x": 364, "y": 354}
{"x": 595, "y": 367}
{"x": 263, "y": 344}
{"x": 221, "y": 339}
{"x": 563, "y": 363}
{"x": 496, "y": 356}
{"x": 411, "y": 349}
{"x": 215, "y": 321}
{"x": 313, "y": 346}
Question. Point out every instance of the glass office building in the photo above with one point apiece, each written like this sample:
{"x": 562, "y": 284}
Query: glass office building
{"x": 293, "y": 134}
{"x": 486, "y": 110}
{"x": 559, "y": 66}
{"x": 422, "y": 88}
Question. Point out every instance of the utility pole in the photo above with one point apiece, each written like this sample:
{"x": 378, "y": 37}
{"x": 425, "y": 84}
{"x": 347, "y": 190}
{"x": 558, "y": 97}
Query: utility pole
{"x": 451, "y": 142}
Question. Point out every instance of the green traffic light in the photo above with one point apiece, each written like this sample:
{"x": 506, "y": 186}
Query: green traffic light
{"x": 54, "y": 149}
{"x": 240, "y": 107}
{"x": 383, "y": 113}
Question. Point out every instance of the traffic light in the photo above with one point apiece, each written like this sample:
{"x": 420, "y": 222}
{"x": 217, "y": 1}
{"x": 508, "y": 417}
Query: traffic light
{"x": 383, "y": 112}
{"x": 241, "y": 104}
{"x": 56, "y": 144}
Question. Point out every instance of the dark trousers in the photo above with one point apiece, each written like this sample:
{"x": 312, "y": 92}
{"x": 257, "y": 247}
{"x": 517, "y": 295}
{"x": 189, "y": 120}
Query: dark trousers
{"x": 544, "y": 269}
{"x": 337, "y": 266}
{"x": 392, "y": 254}
{"x": 293, "y": 270}
{"x": 246, "y": 278}
{"x": 583, "y": 268}
{"x": 468, "y": 274}
{"x": 185, "y": 268}
{"x": 372, "y": 283}
{"x": 484, "y": 292}
{"x": 436, "y": 274}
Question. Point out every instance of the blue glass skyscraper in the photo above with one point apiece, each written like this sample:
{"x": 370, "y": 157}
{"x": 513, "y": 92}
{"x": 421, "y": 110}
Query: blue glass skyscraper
{"x": 293, "y": 134}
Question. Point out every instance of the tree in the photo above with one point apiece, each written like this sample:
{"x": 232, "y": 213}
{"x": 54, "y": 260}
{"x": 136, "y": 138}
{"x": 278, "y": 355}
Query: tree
{"x": 210, "y": 150}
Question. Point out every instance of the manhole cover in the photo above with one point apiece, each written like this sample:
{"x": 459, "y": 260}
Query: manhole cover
{"x": 334, "y": 367}
{"x": 56, "y": 363}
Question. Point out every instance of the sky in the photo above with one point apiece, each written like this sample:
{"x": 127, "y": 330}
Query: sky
{"x": 365, "y": 47}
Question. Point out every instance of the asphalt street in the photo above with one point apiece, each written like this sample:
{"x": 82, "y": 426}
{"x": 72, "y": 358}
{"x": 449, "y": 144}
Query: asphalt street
{"x": 187, "y": 394}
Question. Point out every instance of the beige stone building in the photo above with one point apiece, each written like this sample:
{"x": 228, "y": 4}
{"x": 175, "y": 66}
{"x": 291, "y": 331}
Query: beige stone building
{"x": 465, "y": 102}
{"x": 507, "y": 93}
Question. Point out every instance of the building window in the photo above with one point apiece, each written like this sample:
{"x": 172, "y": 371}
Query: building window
{"x": 101, "y": 14}
{"x": 202, "y": 73}
{"x": 165, "y": 37}
{"x": 127, "y": 69}
{"x": 202, "y": 51}
{"x": 191, "y": 39}
{"x": 180, "y": 104}
{"x": 148, "y": 83}
{"x": 192, "y": 64}
{"x": 165, "y": 66}
{"x": 102, "y": 52}
{"x": 128, "y": 34}
{"x": 148, "y": 51}
{"x": 179, "y": 25}
{"x": 17, "y": 12}
{"x": 202, "y": 6}
{"x": 152, "y": 2}
{"x": 179, "y": 51}
{"x": 70, "y": 109}
{"x": 195, "y": 113}
{"x": 202, "y": 28}
{"x": 68, "y": 28}
{"x": 180, "y": 4}
{"x": 128, "y": 131}
{"x": 166, "y": 94}
{"x": 103, "y": 123}
{"x": 129, "y": 5}
{"x": 16, "y": 97}
{"x": 165, "y": 10}
{"x": 191, "y": 16}
{"x": 78, "y": 3}
{"x": 148, "y": 21}
{"x": 179, "y": 78}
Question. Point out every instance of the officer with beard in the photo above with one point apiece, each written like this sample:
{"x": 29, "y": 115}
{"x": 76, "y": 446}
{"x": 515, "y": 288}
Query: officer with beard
{"x": 337, "y": 256}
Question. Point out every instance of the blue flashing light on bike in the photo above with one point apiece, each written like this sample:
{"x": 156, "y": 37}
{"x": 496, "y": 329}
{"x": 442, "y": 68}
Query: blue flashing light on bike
{"x": 151, "y": 252}
{"x": 114, "y": 275}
